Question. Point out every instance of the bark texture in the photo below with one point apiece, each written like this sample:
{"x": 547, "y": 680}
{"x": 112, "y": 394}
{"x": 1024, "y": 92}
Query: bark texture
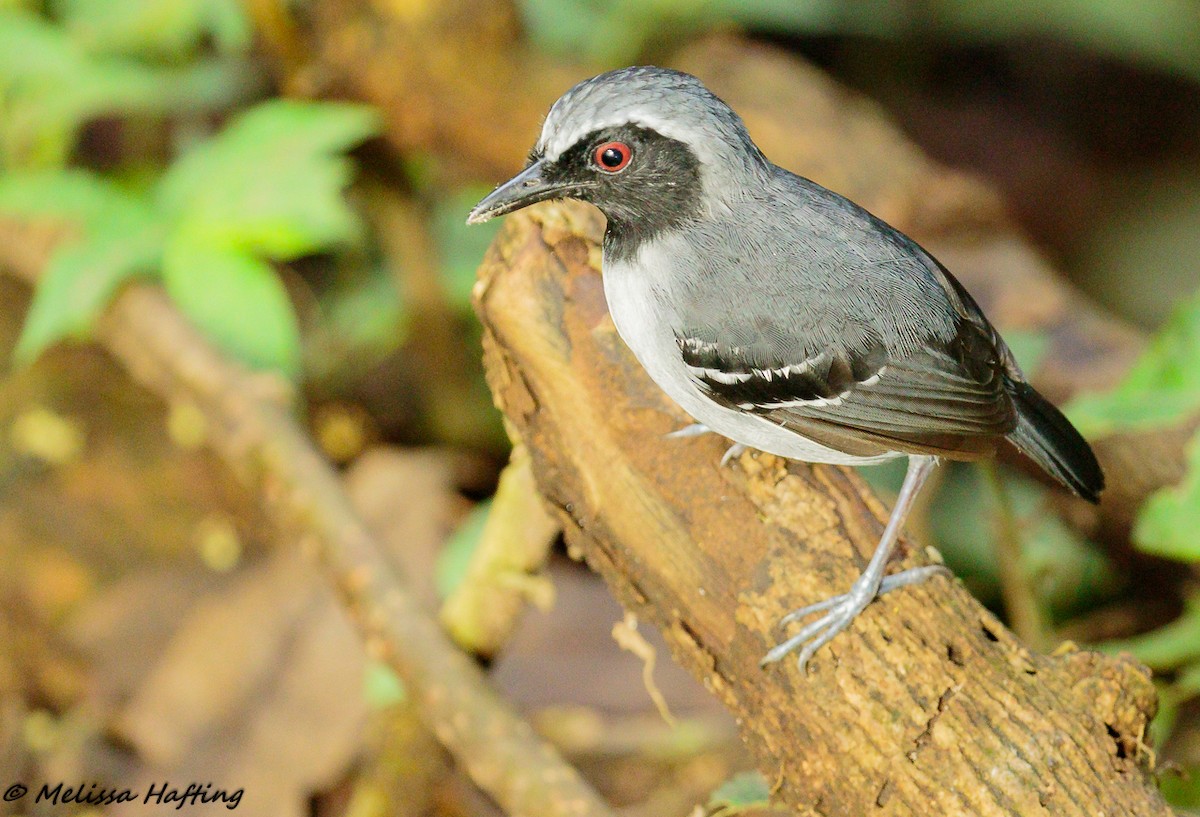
{"x": 927, "y": 705}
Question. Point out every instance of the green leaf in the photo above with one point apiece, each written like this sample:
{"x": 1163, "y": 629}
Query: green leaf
{"x": 456, "y": 554}
{"x": 67, "y": 195}
{"x": 740, "y": 793}
{"x": 82, "y": 277}
{"x": 1181, "y": 787}
{"x": 120, "y": 237}
{"x": 270, "y": 183}
{"x": 237, "y": 300}
{"x": 1162, "y": 388}
{"x": 1168, "y": 524}
{"x": 1168, "y": 647}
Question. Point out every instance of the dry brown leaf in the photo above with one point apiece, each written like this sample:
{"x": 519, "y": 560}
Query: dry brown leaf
{"x": 258, "y": 688}
{"x": 384, "y": 479}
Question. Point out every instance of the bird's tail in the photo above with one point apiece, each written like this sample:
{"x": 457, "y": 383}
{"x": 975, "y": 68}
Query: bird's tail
{"x": 1047, "y": 437}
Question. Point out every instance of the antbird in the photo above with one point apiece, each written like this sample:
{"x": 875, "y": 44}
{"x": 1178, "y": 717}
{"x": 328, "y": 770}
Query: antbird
{"x": 778, "y": 313}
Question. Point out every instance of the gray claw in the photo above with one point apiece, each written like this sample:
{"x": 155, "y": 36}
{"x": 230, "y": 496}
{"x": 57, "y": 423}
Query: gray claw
{"x": 733, "y": 452}
{"x": 694, "y": 430}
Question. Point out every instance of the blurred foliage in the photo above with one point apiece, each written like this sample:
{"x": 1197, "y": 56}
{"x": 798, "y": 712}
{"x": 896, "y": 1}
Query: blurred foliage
{"x": 1161, "y": 388}
{"x": 118, "y": 237}
{"x": 455, "y": 556}
{"x": 1069, "y": 573}
{"x": 462, "y": 247}
{"x": 194, "y": 185}
{"x": 1168, "y": 647}
{"x": 1168, "y": 524}
{"x": 382, "y": 687}
{"x": 268, "y": 187}
{"x": 1158, "y": 33}
{"x": 55, "y": 77}
{"x": 739, "y": 794}
{"x": 153, "y": 28}
{"x": 362, "y": 320}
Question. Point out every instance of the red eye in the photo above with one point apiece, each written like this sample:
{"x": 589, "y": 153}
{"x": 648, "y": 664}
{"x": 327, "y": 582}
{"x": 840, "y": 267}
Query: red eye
{"x": 612, "y": 157}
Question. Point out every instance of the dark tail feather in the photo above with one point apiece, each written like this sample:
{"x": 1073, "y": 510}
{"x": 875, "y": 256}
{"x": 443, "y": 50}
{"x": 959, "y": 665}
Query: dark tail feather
{"x": 1045, "y": 436}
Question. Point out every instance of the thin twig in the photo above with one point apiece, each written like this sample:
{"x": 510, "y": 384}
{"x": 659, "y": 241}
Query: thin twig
{"x": 504, "y": 576}
{"x": 1020, "y": 599}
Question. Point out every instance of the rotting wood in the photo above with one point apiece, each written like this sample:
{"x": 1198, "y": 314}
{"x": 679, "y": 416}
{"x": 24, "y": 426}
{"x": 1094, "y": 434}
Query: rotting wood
{"x": 927, "y": 705}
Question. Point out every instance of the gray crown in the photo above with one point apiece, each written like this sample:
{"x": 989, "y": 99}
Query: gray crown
{"x": 675, "y": 104}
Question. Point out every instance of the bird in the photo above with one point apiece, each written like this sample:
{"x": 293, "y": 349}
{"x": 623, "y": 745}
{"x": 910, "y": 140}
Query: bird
{"x": 780, "y": 314}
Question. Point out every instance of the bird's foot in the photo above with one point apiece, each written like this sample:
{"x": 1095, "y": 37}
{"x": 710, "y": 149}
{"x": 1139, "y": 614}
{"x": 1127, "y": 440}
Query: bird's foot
{"x": 696, "y": 429}
{"x": 732, "y": 453}
{"x": 841, "y": 611}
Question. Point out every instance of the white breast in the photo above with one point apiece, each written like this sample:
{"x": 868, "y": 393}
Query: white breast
{"x": 640, "y": 301}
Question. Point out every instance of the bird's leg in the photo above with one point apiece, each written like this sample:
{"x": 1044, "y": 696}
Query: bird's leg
{"x": 696, "y": 429}
{"x": 872, "y": 583}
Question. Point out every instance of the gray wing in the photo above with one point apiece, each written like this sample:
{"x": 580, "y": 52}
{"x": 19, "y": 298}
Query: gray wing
{"x": 871, "y": 372}
{"x": 939, "y": 400}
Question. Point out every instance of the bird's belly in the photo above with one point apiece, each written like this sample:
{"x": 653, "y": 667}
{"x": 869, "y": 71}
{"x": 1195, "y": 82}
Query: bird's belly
{"x": 644, "y": 323}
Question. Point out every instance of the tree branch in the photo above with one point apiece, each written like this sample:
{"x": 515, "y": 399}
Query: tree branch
{"x": 927, "y": 705}
{"x": 262, "y": 442}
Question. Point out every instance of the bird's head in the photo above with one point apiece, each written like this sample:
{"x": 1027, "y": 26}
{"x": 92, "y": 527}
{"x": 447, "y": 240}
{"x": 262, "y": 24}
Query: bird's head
{"x": 649, "y": 146}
